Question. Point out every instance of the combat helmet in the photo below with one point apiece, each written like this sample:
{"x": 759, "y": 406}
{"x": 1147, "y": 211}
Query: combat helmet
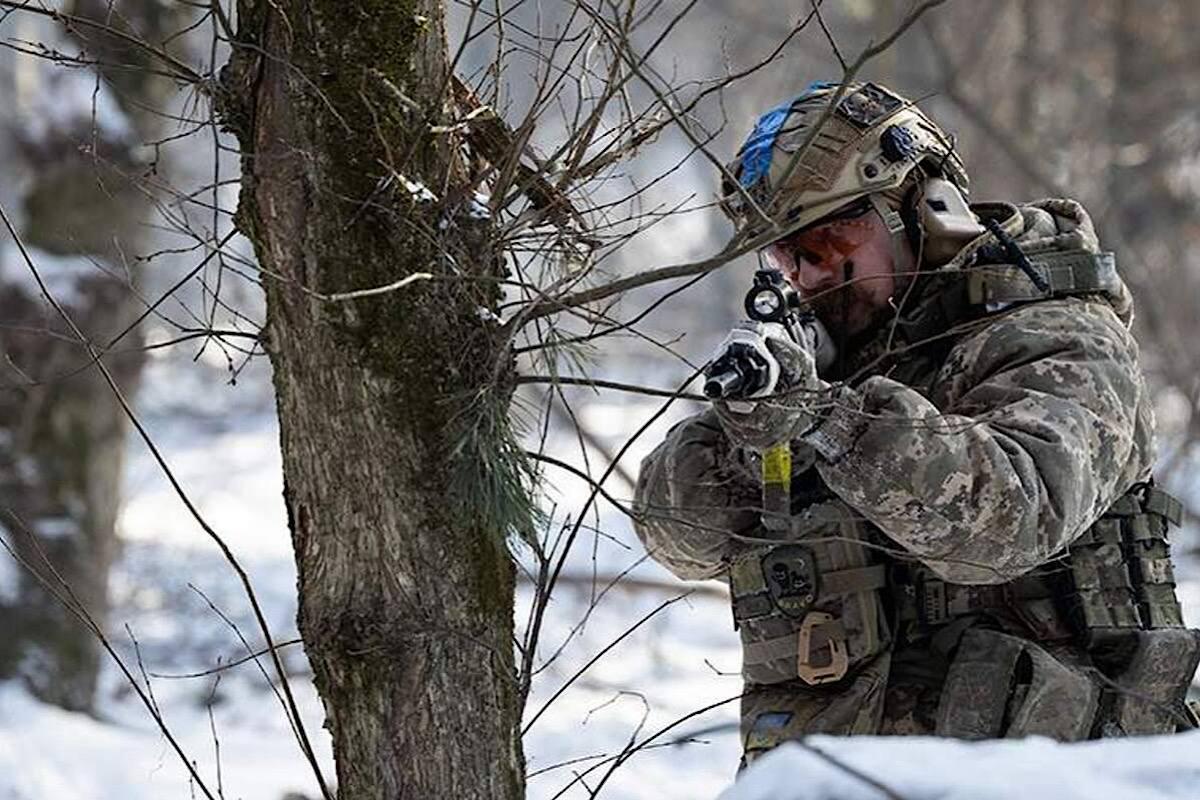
{"x": 866, "y": 148}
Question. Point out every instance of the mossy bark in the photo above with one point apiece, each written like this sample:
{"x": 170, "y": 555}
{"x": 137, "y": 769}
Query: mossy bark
{"x": 406, "y": 594}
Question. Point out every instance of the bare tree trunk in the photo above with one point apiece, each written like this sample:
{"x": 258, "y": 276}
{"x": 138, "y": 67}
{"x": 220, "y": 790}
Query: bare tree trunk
{"x": 385, "y": 402}
{"x": 64, "y": 432}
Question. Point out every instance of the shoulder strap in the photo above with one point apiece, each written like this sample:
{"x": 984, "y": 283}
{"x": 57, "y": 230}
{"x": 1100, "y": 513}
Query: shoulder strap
{"x": 957, "y": 296}
{"x": 1062, "y": 274}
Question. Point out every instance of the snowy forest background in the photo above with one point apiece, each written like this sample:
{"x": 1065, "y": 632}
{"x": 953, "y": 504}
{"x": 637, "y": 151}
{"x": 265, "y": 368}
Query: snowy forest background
{"x": 1093, "y": 99}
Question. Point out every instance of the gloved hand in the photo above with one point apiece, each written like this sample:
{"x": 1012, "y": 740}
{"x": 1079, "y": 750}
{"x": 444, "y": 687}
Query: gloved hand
{"x": 784, "y": 408}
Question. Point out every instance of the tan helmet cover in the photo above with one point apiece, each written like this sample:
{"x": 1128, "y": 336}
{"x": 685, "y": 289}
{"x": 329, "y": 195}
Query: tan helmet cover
{"x": 870, "y": 143}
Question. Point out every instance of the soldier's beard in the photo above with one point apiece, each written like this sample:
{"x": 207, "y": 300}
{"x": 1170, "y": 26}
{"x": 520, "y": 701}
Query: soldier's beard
{"x": 850, "y": 312}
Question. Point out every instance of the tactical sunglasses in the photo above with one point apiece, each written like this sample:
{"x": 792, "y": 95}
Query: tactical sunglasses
{"x": 825, "y": 244}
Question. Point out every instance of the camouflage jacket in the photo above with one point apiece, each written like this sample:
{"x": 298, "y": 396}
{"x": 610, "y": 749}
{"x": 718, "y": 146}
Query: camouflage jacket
{"x": 982, "y": 458}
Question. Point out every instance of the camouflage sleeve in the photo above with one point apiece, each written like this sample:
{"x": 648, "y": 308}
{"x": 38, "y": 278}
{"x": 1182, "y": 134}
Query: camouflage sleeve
{"x": 1040, "y": 420}
{"x": 690, "y": 497}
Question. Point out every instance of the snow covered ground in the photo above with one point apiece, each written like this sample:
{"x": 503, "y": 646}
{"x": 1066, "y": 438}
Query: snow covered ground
{"x": 179, "y": 601}
{"x": 181, "y": 604}
{"x": 1163, "y": 768}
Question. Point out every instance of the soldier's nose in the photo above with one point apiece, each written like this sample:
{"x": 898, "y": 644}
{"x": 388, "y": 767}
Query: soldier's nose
{"x": 815, "y": 277}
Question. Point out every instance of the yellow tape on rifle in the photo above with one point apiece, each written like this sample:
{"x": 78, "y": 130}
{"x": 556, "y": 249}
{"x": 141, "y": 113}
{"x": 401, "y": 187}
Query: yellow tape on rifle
{"x": 777, "y": 464}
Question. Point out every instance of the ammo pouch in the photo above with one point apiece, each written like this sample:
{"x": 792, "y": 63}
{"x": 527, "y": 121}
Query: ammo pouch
{"x": 1121, "y": 574}
{"x": 1002, "y": 685}
{"x": 1124, "y": 607}
{"x": 1147, "y": 695}
{"x": 809, "y": 607}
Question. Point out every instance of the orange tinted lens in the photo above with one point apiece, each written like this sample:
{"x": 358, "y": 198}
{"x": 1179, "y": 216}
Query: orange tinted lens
{"x": 829, "y": 244}
{"x": 780, "y": 257}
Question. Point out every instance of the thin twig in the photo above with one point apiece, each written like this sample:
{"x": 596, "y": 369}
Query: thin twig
{"x": 592, "y": 661}
{"x": 222, "y": 668}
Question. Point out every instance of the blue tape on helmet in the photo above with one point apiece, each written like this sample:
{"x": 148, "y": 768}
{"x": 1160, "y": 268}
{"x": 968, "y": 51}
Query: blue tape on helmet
{"x": 760, "y": 144}
{"x": 759, "y": 147}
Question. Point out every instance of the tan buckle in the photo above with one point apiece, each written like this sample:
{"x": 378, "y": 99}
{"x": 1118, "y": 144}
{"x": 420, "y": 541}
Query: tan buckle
{"x": 839, "y": 662}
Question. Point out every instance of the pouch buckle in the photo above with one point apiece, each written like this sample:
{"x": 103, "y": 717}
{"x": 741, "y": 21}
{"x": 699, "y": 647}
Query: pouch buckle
{"x": 839, "y": 661}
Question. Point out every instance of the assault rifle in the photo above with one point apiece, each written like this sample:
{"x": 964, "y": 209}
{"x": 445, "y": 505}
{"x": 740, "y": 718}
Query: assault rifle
{"x": 744, "y": 367}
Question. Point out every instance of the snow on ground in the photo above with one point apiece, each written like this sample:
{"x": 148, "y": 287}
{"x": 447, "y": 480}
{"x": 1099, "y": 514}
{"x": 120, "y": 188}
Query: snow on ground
{"x": 1160, "y": 768}
{"x": 222, "y": 444}
{"x": 49, "y": 754}
{"x": 180, "y": 603}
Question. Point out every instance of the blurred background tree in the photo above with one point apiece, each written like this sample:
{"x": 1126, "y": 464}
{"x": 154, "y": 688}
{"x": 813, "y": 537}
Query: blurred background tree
{"x": 74, "y": 162}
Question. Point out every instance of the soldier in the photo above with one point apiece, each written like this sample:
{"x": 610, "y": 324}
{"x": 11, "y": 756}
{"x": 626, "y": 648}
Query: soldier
{"x": 969, "y": 542}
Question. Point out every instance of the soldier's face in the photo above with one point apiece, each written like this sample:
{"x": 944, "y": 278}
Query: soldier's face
{"x": 844, "y": 269}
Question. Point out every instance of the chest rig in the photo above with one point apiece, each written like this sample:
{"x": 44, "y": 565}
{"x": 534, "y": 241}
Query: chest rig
{"x": 809, "y": 606}
{"x": 813, "y": 593}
